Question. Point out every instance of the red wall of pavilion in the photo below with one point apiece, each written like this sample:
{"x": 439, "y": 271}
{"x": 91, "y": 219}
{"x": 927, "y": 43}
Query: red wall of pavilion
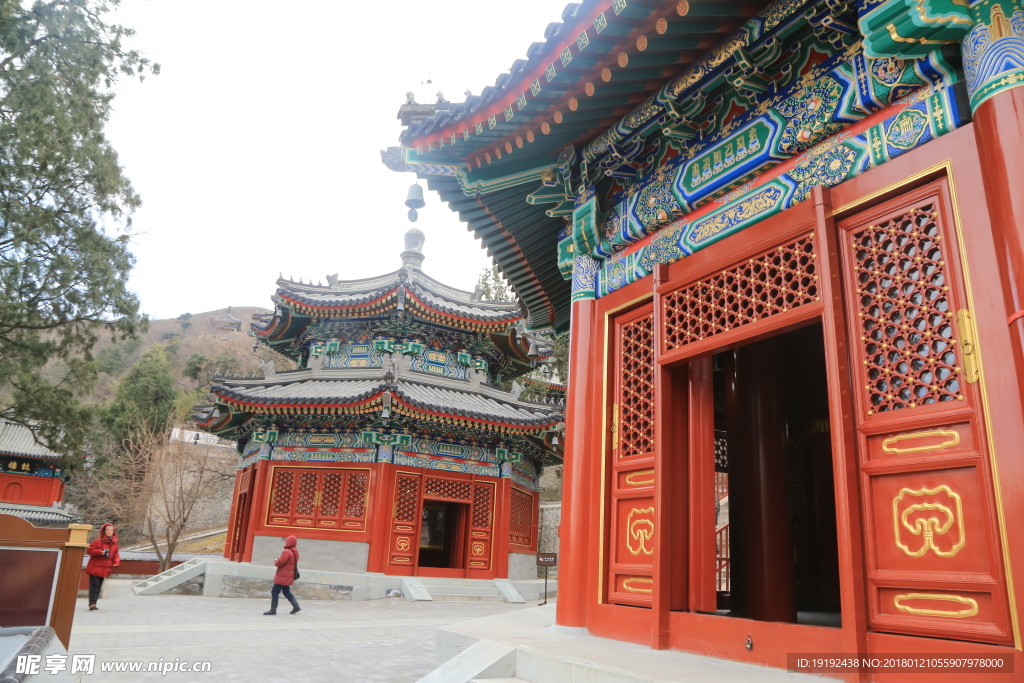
{"x": 249, "y": 516}
{"x": 29, "y": 490}
{"x": 994, "y": 261}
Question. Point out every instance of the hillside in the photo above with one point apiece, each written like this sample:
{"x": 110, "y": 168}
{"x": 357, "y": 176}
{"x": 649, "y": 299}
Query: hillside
{"x": 229, "y": 351}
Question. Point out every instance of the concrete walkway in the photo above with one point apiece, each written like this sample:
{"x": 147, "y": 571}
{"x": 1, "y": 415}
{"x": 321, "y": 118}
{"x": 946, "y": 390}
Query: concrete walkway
{"x": 390, "y": 640}
{"x": 545, "y": 653}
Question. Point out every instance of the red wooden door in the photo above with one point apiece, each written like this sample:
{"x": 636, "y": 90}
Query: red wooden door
{"x": 306, "y": 497}
{"x": 933, "y": 553}
{"x": 405, "y": 521}
{"x": 342, "y": 496}
{"x": 319, "y": 497}
{"x": 631, "y": 518}
{"x": 481, "y": 527}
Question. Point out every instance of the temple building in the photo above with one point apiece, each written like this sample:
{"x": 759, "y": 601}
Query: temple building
{"x": 31, "y": 478}
{"x": 391, "y": 449}
{"x": 787, "y": 239}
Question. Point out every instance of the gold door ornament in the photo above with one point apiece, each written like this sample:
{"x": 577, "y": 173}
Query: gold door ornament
{"x": 639, "y": 530}
{"x": 935, "y": 519}
{"x": 970, "y": 605}
{"x": 638, "y": 585}
{"x": 640, "y": 478}
{"x": 478, "y": 548}
{"x": 950, "y": 438}
{"x": 402, "y": 543}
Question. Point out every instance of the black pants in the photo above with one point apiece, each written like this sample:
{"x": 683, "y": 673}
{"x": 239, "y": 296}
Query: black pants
{"x": 277, "y": 590}
{"x": 95, "y": 584}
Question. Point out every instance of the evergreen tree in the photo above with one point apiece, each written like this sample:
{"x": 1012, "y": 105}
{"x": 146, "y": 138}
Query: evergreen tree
{"x": 64, "y": 208}
{"x": 144, "y": 399}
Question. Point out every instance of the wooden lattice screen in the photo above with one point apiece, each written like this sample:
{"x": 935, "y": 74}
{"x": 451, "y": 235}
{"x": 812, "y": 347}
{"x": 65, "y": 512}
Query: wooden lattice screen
{"x": 766, "y": 285}
{"x": 521, "y": 518}
{"x": 481, "y": 527}
{"x": 905, "y": 312}
{"x": 319, "y": 498}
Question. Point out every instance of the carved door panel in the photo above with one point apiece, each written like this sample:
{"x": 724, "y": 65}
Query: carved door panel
{"x": 342, "y": 499}
{"x": 405, "y": 522}
{"x": 355, "y": 500}
{"x": 307, "y": 495}
{"x": 934, "y": 558}
{"x": 282, "y": 496}
{"x": 481, "y": 527}
{"x": 630, "y": 517}
{"x": 331, "y": 489}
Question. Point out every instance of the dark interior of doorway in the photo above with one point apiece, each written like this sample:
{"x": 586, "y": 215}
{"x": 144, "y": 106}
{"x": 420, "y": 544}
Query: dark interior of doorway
{"x": 772, "y": 420}
{"x": 442, "y": 535}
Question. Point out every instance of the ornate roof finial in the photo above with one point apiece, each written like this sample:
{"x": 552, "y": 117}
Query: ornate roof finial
{"x": 413, "y": 255}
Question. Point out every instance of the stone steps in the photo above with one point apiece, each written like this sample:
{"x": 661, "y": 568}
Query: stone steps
{"x": 174, "y": 576}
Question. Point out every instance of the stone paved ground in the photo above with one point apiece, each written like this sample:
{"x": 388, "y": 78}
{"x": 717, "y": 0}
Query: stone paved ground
{"x": 339, "y": 641}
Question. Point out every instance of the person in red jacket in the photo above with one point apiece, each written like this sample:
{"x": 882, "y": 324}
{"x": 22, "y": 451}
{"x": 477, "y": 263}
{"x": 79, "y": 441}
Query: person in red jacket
{"x": 103, "y": 557}
{"x": 284, "y": 577}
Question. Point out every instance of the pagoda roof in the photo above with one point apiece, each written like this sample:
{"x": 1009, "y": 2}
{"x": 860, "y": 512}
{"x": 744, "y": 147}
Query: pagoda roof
{"x": 19, "y": 439}
{"x": 407, "y": 289}
{"x": 366, "y": 390}
{"x": 603, "y": 79}
{"x": 376, "y": 295}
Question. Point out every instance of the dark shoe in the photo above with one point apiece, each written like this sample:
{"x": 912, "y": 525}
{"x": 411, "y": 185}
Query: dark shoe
{"x": 272, "y": 611}
{"x": 93, "y": 607}
{"x": 295, "y": 610}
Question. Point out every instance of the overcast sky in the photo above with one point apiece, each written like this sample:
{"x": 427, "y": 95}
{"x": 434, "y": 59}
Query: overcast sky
{"x": 257, "y": 148}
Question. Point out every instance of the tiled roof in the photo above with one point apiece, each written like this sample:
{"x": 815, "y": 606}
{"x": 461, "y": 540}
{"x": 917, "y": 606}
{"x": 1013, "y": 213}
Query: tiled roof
{"x": 39, "y": 515}
{"x": 17, "y": 439}
{"x": 480, "y": 402}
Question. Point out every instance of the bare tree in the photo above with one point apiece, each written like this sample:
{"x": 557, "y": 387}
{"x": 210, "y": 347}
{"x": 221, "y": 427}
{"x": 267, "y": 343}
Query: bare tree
{"x": 152, "y": 484}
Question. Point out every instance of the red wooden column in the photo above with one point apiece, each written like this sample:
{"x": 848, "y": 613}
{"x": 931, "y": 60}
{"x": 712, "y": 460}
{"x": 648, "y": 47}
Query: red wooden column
{"x": 844, "y": 450}
{"x": 759, "y": 512}
{"x": 260, "y": 500}
{"x": 999, "y": 135}
{"x": 670, "y": 490}
{"x": 578, "y": 508}
{"x": 501, "y": 516}
{"x": 379, "y": 517}
{"x": 999, "y": 128}
{"x": 233, "y": 520}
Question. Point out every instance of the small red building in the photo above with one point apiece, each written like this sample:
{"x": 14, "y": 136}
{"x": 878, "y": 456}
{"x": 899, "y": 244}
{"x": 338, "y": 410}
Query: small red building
{"x": 31, "y": 477}
{"x": 391, "y": 449}
{"x": 788, "y": 240}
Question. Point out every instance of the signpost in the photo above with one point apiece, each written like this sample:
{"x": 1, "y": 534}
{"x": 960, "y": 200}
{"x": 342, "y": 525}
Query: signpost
{"x": 546, "y": 560}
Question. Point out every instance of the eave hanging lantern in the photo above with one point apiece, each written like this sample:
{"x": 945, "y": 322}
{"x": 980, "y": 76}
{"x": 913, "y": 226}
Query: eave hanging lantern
{"x": 414, "y": 200}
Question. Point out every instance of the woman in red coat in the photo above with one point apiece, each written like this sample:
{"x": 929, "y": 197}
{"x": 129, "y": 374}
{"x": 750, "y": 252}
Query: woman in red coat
{"x": 103, "y": 557}
{"x": 285, "y": 576}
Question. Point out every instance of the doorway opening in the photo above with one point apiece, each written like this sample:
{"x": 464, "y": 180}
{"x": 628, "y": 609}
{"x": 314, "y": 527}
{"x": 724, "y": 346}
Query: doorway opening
{"x": 443, "y": 535}
{"x": 776, "y": 541}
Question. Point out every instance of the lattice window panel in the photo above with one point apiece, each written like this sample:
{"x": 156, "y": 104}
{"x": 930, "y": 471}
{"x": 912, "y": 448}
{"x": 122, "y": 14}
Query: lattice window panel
{"x": 284, "y": 482}
{"x": 636, "y": 379}
{"x": 449, "y": 489}
{"x": 905, "y": 312}
{"x": 305, "y": 502}
{"x": 405, "y": 499}
{"x": 521, "y": 518}
{"x": 355, "y": 494}
{"x": 243, "y": 480}
{"x": 330, "y": 500}
{"x": 764, "y": 286}
{"x": 482, "y": 506}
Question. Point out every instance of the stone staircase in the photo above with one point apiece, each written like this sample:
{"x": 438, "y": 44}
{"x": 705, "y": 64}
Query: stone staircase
{"x": 460, "y": 590}
{"x": 172, "y": 577}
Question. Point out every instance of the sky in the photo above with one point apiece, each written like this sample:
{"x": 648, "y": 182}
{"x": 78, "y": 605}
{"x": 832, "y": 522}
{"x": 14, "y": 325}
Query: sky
{"x": 256, "y": 150}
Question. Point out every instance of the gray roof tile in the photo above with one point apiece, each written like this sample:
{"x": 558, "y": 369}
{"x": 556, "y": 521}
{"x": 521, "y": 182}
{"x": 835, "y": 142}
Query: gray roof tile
{"x": 16, "y": 439}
